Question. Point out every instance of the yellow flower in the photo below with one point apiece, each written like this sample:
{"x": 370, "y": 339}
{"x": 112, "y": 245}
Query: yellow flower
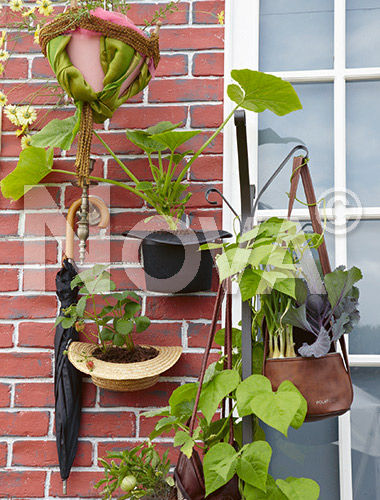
{"x": 2, "y": 39}
{"x": 1, "y": 68}
{"x": 11, "y": 113}
{"x": 37, "y": 34}
{"x": 29, "y": 12}
{"x": 26, "y": 115}
{"x": 45, "y": 7}
{"x": 25, "y": 141}
{"x": 4, "y": 55}
{"x": 21, "y": 131}
{"x": 3, "y": 99}
{"x": 16, "y": 5}
{"x": 221, "y": 17}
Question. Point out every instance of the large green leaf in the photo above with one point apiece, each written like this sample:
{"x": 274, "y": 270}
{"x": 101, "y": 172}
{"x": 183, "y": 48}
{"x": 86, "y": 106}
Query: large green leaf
{"x": 186, "y": 442}
{"x": 142, "y": 323}
{"x": 300, "y": 488}
{"x": 232, "y": 261}
{"x": 142, "y": 140}
{"x": 272, "y": 492}
{"x": 253, "y": 463}
{"x": 219, "y": 466}
{"x": 339, "y": 283}
{"x": 214, "y": 391}
{"x": 260, "y": 91}
{"x": 175, "y": 138}
{"x": 300, "y": 415}
{"x": 248, "y": 389}
{"x": 124, "y": 326}
{"x": 161, "y": 127}
{"x": 34, "y": 164}
{"x": 58, "y": 133}
{"x": 182, "y": 400}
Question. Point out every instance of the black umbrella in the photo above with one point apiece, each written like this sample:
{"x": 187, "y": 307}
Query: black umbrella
{"x": 67, "y": 379}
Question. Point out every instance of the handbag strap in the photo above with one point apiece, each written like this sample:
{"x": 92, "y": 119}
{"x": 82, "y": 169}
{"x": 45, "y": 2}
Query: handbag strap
{"x": 224, "y": 288}
{"x": 301, "y": 169}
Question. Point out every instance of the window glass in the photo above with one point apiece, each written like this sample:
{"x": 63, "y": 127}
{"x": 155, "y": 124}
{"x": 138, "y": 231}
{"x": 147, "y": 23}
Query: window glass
{"x": 363, "y": 143}
{"x": 363, "y": 252}
{"x": 296, "y": 34}
{"x": 311, "y": 126}
{"x": 311, "y": 451}
{"x": 365, "y": 433}
{"x": 362, "y": 33}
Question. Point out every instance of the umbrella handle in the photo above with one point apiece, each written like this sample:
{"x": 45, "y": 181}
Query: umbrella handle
{"x": 102, "y": 209}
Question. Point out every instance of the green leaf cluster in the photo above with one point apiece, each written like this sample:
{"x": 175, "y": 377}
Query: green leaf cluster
{"x": 115, "y": 321}
{"x": 145, "y": 469}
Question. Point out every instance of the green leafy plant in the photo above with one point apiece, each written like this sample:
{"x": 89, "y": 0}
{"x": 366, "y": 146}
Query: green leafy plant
{"x": 114, "y": 323}
{"x": 279, "y": 409}
{"x": 140, "y": 472}
{"x": 253, "y": 90}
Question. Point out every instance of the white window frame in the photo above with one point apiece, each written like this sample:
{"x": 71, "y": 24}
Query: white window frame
{"x": 242, "y": 51}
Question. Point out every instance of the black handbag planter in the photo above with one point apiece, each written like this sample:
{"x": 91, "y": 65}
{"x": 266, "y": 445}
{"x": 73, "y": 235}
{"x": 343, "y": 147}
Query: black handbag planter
{"x": 173, "y": 262}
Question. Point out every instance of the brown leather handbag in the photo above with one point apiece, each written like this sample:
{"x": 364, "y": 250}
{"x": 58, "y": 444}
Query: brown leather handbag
{"x": 324, "y": 382}
{"x": 189, "y": 471}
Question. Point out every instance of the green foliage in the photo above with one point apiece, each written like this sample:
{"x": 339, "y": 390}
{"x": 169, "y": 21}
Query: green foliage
{"x": 114, "y": 322}
{"x": 58, "y": 133}
{"x": 140, "y": 472}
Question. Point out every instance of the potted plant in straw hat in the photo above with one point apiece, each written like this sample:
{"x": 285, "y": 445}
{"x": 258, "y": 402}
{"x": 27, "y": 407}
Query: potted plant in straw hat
{"x": 112, "y": 358}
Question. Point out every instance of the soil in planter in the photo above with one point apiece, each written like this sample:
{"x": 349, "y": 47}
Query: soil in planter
{"x": 120, "y": 355}
{"x": 166, "y": 494}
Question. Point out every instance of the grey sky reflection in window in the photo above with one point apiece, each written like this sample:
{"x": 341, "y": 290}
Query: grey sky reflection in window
{"x": 296, "y": 35}
{"x": 362, "y": 33}
{"x": 312, "y": 126}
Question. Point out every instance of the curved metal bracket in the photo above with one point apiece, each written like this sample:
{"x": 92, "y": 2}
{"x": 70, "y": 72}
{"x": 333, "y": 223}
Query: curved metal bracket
{"x": 215, "y": 190}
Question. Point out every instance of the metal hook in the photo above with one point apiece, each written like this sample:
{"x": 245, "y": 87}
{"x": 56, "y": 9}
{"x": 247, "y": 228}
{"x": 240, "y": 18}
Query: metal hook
{"x": 275, "y": 174}
{"x": 215, "y": 190}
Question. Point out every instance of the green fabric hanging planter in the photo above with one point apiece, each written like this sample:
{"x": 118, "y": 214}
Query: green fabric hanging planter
{"x": 124, "y": 63}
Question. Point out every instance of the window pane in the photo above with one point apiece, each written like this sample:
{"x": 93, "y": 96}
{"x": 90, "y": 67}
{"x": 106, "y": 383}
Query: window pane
{"x": 365, "y": 433}
{"x": 296, "y": 34}
{"x": 363, "y": 252}
{"x": 311, "y": 451}
{"x": 363, "y": 34}
{"x": 363, "y": 144}
{"x": 312, "y": 126}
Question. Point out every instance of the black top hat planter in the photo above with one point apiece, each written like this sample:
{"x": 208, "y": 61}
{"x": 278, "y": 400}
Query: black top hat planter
{"x": 173, "y": 261}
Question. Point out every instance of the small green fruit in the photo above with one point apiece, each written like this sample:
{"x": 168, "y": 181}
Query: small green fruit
{"x": 128, "y": 483}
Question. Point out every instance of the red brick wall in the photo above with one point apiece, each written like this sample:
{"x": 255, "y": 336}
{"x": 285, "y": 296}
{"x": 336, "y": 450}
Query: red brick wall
{"x": 189, "y": 89}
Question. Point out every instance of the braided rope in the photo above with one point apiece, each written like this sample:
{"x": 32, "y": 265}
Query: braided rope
{"x": 82, "y": 162}
{"x": 71, "y": 20}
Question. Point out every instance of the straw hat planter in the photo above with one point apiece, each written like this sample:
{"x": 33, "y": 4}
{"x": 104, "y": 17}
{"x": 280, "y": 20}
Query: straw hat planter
{"x": 122, "y": 376}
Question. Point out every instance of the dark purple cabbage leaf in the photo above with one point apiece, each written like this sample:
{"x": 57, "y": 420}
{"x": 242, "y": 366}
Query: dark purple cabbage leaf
{"x": 327, "y": 316}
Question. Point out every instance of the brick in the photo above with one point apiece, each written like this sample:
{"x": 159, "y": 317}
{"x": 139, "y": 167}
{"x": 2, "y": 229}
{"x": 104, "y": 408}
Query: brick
{"x": 104, "y": 251}
{"x": 180, "y": 90}
{"x": 205, "y": 219}
{"x": 117, "y": 141}
{"x": 19, "y": 307}
{"x": 8, "y": 280}
{"x": 206, "y": 116}
{"x": 80, "y": 484}
{"x": 33, "y": 334}
{"x": 68, "y": 164}
{"x": 41, "y": 68}
{"x": 42, "y": 197}
{"x": 107, "y": 424}
{"x": 19, "y": 43}
{"x": 6, "y": 335}
{"x": 139, "y": 12}
{"x": 180, "y": 307}
{"x": 117, "y": 446}
{"x": 8, "y": 225}
{"x": 126, "y": 221}
{"x": 156, "y": 396}
{"x": 28, "y": 252}
{"x": 45, "y": 224}
{"x": 121, "y": 198}
{"x": 5, "y": 395}
{"x": 206, "y": 12}
{"x": 195, "y": 143}
{"x": 208, "y": 64}
{"x": 24, "y": 423}
{"x": 189, "y": 365}
{"x": 38, "y": 92}
{"x": 88, "y": 394}
{"x": 34, "y": 394}
{"x": 167, "y": 334}
{"x": 128, "y": 117}
{"x": 197, "y": 334}
{"x": 44, "y": 454}
{"x": 3, "y": 454}
{"x": 172, "y": 65}
{"x": 147, "y": 425}
{"x": 192, "y": 38}
{"x": 207, "y": 168}
{"x": 138, "y": 166}
{"x": 16, "y": 68}
{"x": 128, "y": 278}
{"x": 39, "y": 280}
{"x": 27, "y": 484}
{"x": 31, "y": 364}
